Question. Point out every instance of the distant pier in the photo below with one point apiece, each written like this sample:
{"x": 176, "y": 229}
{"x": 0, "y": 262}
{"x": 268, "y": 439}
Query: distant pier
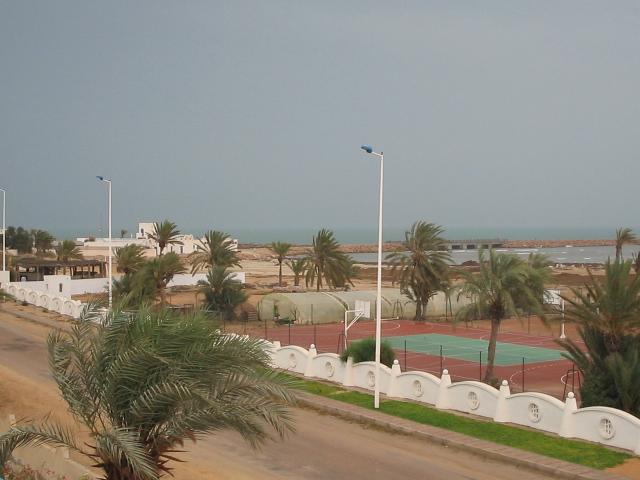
{"x": 474, "y": 244}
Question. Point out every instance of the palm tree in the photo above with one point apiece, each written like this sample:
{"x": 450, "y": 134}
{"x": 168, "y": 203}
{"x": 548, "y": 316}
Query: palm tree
{"x": 42, "y": 241}
{"x": 280, "y": 249}
{"x": 19, "y": 239}
{"x": 222, "y": 293}
{"x": 298, "y": 266}
{"x": 325, "y": 261}
{"x": 636, "y": 262}
{"x": 214, "y": 250}
{"x": 347, "y": 273}
{"x": 68, "y": 251}
{"x": 165, "y": 234}
{"x": 422, "y": 266}
{"x": 159, "y": 272}
{"x": 613, "y": 308}
{"x": 123, "y": 232}
{"x": 145, "y": 383}
{"x": 130, "y": 259}
{"x": 623, "y": 235}
{"x": 607, "y": 316}
{"x": 503, "y": 286}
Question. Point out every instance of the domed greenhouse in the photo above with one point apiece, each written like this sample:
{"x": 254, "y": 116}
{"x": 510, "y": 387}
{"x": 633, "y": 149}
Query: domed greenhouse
{"x": 329, "y": 307}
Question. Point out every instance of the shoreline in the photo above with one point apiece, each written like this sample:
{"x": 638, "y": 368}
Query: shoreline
{"x": 389, "y": 247}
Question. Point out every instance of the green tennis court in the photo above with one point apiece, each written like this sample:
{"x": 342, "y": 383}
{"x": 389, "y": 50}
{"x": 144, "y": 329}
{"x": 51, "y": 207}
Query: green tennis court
{"x": 473, "y": 350}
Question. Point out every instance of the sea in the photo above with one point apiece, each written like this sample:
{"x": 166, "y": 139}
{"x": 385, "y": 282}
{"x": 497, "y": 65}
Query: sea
{"x": 351, "y": 236}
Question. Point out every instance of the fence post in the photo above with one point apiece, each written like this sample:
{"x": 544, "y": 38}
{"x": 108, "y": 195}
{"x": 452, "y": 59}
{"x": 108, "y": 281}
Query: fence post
{"x": 502, "y": 412}
{"x": 405, "y": 355}
{"x": 348, "y": 374}
{"x": 443, "y": 402}
{"x": 309, "y": 371}
{"x": 393, "y": 380}
{"x": 567, "y": 427}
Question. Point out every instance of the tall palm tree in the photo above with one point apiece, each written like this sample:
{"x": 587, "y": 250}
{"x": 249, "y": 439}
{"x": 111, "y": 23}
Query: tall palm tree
{"x": 623, "y": 235}
{"x": 42, "y": 242}
{"x": 298, "y": 267}
{"x": 280, "y": 249}
{"x": 68, "y": 251}
{"x": 214, "y": 250}
{"x": 165, "y": 234}
{"x": 502, "y": 287}
{"x": 130, "y": 259}
{"x": 144, "y": 383}
{"x": 159, "y": 272}
{"x": 222, "y": 293}
{"x": 421, "y": 267}
{"x": 325, "y": 261}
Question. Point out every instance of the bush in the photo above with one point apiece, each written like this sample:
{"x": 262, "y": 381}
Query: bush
{"x": 365, "y": 351}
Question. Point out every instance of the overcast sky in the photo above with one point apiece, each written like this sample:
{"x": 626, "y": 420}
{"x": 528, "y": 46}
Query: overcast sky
{"x": 251, "y": 114}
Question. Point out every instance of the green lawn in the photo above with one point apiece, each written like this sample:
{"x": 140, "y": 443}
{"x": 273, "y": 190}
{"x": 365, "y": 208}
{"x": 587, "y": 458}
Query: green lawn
{"x": 574, "y": 451}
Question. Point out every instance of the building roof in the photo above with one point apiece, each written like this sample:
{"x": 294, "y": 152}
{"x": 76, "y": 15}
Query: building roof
{"x": 45, "y": 262}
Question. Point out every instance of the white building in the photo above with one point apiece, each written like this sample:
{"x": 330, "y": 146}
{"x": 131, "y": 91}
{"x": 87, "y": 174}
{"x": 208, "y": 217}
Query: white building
{"x": 188, "y": 244}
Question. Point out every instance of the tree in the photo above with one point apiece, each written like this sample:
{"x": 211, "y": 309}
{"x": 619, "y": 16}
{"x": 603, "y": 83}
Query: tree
{"x": 159, "y": 272}
{"x": 347, "y": 273}
{"x": 325, "y": 261}
{"x": 612, "y": 307}
{"x": 123, "y": 232}
{"x": 165, "y": 234}
{"x": 503, "y": 286}
{"x": 19, "y": 239}
{"x": 280, "y": 249}
{"x": 143, "y": 383}
{"x": 42, "y": 241}
{"x": 68, "y": 251}
{"x": 298, "y": 267}
{"x": 222, "y": 293}
{"x": 422, "y": 266}
{"x": 623, "y": 235}
{"x": 636, "y": 262}
{"x": 214, "y": 250}
{"x": 365, "y": 351}
{"x": 130, "y": 259}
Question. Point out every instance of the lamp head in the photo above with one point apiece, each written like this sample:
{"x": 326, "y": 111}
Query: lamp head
{"x": 100, "y": 177}
{"x": 367, "y": 148}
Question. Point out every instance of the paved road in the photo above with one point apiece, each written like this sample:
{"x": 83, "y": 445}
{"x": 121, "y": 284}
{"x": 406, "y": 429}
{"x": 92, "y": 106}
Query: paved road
{"x": 324, "y": 447}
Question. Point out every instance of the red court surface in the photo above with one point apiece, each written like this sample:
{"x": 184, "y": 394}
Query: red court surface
{"x": 553, "y": 378}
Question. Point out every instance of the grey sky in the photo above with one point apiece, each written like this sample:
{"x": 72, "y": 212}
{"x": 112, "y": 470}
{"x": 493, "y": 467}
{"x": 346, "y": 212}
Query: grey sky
{"x": 246, "y": 114}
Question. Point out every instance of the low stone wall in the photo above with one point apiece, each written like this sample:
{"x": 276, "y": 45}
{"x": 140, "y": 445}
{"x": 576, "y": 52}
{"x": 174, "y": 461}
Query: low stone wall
{"x": 538, "y": 411}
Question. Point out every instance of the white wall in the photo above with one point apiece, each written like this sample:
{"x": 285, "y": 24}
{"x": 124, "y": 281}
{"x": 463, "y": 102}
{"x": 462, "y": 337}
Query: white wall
{"x": 538, "y": 411}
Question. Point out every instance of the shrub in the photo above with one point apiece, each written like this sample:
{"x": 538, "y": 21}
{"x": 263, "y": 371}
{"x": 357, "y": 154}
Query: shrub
{"x": 365, "y": 351}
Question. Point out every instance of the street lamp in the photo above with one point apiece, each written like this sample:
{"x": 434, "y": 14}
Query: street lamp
{"x": 100, "y": 177}
{"x": 4, "y": 230}
{"x": 376, "y": 401}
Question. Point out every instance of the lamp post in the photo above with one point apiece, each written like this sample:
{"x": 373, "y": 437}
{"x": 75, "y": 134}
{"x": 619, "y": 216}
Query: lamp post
{"x": 4, "y": 230}
{"x": 376, "y": 401}
{"x": 110, "y": 250}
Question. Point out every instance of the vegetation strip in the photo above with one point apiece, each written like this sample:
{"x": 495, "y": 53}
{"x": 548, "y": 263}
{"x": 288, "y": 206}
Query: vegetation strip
{"x": 574, "y": 451}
